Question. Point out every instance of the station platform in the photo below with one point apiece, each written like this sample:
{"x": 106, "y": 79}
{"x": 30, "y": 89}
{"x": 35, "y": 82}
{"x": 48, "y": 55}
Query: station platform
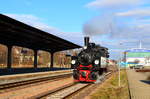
{"x": 29, "y": 76}
{"x": 139, "y": 85}
{"x": 12, "y": 71}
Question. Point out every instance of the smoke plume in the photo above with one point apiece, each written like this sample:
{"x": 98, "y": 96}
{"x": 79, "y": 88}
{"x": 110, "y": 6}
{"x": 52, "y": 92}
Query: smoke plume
{"x": 99, "y": 25}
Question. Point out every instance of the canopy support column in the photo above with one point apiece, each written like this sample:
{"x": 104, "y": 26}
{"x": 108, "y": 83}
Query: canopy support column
{"x": 35, "y": 59}
{"x": 9, "y": 56}
{"x": 52, "y": 59}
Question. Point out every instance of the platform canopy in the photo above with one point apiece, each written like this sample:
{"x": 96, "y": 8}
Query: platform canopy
{"x": 13, "y": 32}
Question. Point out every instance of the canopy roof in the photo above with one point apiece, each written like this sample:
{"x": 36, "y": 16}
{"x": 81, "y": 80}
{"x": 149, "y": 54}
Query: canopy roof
{"x": 13, "y": 32}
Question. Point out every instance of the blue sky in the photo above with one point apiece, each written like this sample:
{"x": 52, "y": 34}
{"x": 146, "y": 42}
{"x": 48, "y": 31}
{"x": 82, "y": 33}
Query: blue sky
{"x": 67, "y": 15}
{"x": 107, "y": 22}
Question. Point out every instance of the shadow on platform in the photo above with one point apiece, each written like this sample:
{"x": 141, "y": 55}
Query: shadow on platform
{"x": 145, "y": 81}
{"x": 27, "y": 70}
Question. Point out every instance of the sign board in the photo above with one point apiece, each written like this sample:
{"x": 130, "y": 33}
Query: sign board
{"x": 138, "y": 54}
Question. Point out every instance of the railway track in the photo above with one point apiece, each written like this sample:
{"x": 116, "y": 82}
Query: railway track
{"x": 70, "y": 90}
{"x": 27, "y": 83}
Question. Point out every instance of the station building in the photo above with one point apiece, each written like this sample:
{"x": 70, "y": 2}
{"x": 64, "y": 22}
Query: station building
{"x": 137, "y": 56}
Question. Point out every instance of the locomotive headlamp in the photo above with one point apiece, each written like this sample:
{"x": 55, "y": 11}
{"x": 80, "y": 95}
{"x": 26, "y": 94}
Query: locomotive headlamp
{"x": 85, "y": 47}
{"x": 96, "y": 62}
{"x": 73, "y": 62}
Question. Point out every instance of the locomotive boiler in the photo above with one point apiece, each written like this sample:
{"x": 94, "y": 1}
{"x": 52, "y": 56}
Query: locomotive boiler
{"x": 90, "y": 63}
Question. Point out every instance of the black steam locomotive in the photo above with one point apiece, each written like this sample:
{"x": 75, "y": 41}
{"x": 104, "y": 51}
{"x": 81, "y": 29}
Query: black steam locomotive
{"x": 90, "y": 63}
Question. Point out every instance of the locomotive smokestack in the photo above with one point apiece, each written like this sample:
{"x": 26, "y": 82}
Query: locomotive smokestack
{"x": 86, "y": 41}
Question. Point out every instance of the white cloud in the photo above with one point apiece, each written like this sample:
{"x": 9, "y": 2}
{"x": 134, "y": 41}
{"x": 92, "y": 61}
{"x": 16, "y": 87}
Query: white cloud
{"x": 125, "y": 21}
{"x": 32, "y": 21}
{"x": 22, "y": 16}
{"x": 114, "y": 32}
{"x": 144, "y": 20}
{"x": 127, "y": 32}
{"x": 113, "y": 3}
{"x": 136, "y": 32}
{"x": 135, "y": 13}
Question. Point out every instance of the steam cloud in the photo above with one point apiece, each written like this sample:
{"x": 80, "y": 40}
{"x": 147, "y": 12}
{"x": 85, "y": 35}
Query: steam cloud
{"x": 99, "y": 25}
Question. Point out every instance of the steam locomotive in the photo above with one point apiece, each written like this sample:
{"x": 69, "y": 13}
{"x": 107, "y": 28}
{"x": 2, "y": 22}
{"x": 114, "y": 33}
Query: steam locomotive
{"x": 90, "y": 63}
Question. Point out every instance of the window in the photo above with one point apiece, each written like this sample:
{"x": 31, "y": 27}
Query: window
{"x": 3, "y": 56}
{"x": 22, "y": 57}
{"x": 43, "y": 59}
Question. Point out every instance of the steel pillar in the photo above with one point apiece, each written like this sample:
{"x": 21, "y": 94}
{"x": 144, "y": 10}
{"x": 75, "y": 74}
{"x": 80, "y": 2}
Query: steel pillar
{"x": 35, "y": 59}
{"x": 9, "y": 56}
{"x": 52, "y": 59}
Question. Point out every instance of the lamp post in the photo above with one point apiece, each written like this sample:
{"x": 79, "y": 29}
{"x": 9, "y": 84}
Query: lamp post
{"x": 119, "y": 66}
{"x": 119, "y": 72}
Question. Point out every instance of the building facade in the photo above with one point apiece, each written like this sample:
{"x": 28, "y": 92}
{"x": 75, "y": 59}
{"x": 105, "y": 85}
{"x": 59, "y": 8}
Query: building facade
{"x": 139, "y": 56}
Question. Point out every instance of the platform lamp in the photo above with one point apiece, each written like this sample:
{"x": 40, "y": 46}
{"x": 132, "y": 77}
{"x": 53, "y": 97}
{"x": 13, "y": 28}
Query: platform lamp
{"x": 119, "y": 64}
